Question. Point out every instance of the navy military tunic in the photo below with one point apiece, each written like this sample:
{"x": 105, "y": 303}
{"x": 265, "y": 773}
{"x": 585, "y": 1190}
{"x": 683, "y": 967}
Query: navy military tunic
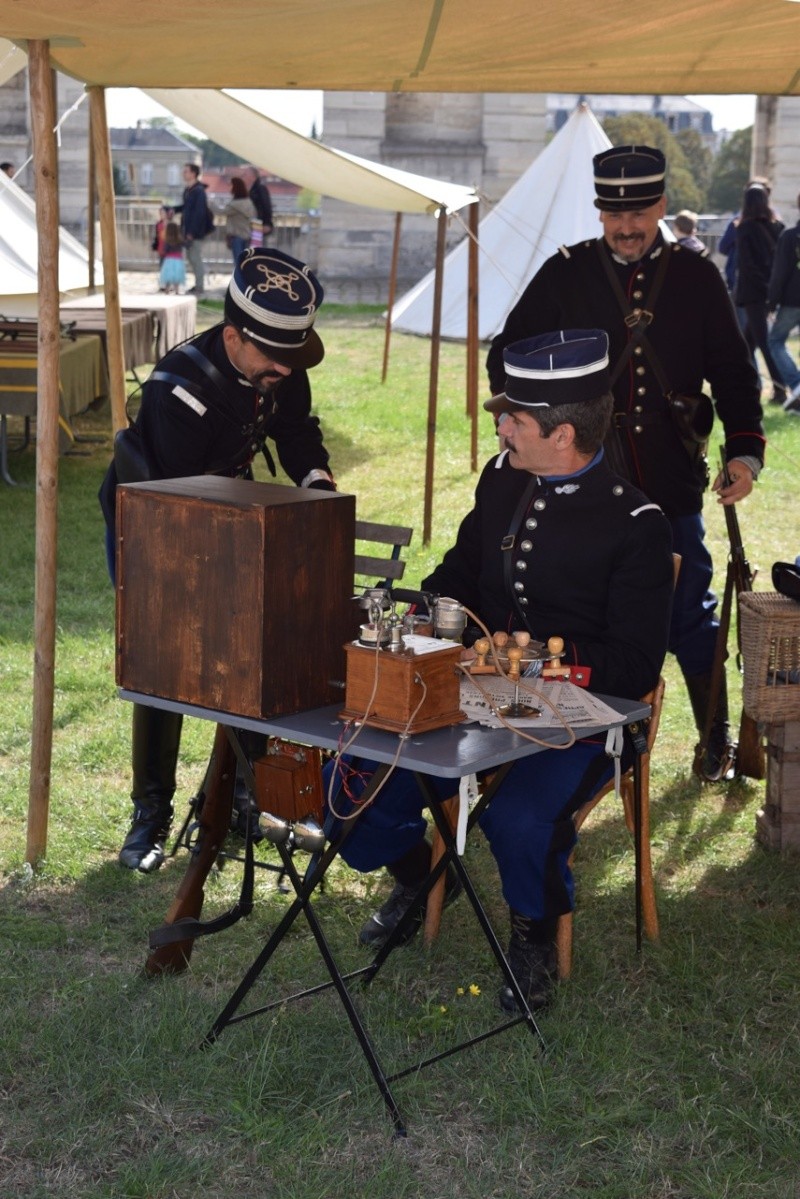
{"x": 591, "y": 562}
{"x": 695, "y": 335}
{"x": 194, "y": 429}
{"x": 597, "y": 572}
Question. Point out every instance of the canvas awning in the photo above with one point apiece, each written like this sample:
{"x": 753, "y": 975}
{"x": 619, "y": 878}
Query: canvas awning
{"x": 309, "y": 163}
{"x": 421, "y": 45}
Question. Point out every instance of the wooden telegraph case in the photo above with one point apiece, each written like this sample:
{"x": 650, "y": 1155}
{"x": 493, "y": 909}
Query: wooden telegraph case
{"x": 403, "y": 680}
{"x": 234, "y": 595}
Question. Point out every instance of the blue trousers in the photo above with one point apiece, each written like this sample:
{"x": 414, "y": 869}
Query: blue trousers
{"x": 693, "y": 630}
{"x": 528, "y": 822}
{"x": 786, "y": 319}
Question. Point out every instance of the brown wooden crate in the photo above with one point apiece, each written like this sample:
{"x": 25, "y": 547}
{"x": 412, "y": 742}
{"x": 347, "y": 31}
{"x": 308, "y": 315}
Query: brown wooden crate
{"x": 234, "y": 595}
{"x": 397, "y": 703}
{"x": 289, "y": 781}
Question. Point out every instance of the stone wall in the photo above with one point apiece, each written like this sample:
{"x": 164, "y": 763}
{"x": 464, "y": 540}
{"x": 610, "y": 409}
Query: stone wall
{"x": 484, "y": 141}
{"x": 73, "y": 157}
{"x": 776, "y": 151}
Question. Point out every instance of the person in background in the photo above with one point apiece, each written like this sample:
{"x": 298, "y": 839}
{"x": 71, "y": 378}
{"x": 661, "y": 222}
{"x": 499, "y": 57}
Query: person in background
{"x": 196, "y": 223}
{"x": 686, "y": 333}
{"x": 685, "y": 229}
{"x": 208, "y": 408}
{"x": 239, "y": 216}
{"x": 159, "y": 229}
{"x": 727, "y": 248}
{"x": 7, "y": 168}
{"x": 756, "y": 238}
{"x": 783, "y": 298}
{"x": 262, "y": 201}
{"x": 172, "y": 276}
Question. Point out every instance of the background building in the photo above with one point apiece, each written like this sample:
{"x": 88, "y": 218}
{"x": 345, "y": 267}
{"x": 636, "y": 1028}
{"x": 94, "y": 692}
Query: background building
{"x": 481, "y": 140}
{"x": 150, "y": 159}
{"x": 676, "y": 112}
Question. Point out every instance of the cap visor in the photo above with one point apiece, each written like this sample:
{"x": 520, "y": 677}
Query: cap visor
{"x": 498, "y": 403}
{"x": 301, "y": 358}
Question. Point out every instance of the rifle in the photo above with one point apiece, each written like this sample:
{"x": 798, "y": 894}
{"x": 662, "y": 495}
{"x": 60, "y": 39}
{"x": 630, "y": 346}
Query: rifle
{"x": 750, "y": 753}
{"x": 172, "y": 943}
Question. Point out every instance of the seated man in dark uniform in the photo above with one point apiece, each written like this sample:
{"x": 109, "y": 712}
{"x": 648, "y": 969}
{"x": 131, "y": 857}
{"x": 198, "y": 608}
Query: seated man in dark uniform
{"x": 208, "y": 408}
{"x": 556, "y": 545}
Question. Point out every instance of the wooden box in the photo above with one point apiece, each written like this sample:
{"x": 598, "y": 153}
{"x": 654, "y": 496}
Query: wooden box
{"x": 778, "y": 822}
{"x": 413, "y": 693}
{"x": 289, "y": 781}
{"x": 234, "y": 595}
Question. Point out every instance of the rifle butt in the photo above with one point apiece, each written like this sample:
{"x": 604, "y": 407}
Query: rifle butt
{"x": 214, "y": 821}
{"x": 750, "y": 758}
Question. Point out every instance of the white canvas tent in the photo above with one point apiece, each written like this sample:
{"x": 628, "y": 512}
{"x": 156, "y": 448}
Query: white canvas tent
{"x": 19, "y": 255}
{"x": 552, "y": 204}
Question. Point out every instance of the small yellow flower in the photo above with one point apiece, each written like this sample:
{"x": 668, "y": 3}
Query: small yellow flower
{"x": 442, "y": 1009}
{"x": 459, "y": 990}
{"x": 474, "y": 989}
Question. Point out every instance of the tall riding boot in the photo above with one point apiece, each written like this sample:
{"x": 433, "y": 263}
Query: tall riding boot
{"x": 245, "y": 809}
{"x": 532, "y": 958}
{"x": 718, "y": 762}
{"x": 410, "y": 872}
{"x": 155, "y": 743}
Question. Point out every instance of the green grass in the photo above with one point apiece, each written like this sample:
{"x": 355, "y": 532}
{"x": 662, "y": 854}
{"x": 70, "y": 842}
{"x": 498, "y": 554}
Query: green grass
{"x": 671, "y": 1076}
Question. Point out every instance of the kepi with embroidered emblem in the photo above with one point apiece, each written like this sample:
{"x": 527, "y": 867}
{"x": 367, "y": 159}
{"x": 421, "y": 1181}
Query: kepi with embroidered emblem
{"x": 273, "y": 300}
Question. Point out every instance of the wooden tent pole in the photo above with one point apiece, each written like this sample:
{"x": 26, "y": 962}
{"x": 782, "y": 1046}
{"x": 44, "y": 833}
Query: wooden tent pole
{"x": 398, "y": 220}
{"x": 91, "y": 207}
{"x": 41, "y": 83}
{"x": 436, "y": 327}
{"x": 472, "y": 333}
{"x": 108, "y": 237}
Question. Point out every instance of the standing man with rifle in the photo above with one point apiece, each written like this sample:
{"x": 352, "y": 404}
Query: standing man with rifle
{"x": 671, "y": 326}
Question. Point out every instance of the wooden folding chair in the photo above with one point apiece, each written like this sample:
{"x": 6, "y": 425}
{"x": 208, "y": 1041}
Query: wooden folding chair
{"x": 647, "y": 896}
{"x": 647, "y": 891}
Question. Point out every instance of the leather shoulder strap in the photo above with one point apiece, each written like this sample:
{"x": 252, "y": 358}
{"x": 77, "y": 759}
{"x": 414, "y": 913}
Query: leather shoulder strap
{"x": 637, "y": 319}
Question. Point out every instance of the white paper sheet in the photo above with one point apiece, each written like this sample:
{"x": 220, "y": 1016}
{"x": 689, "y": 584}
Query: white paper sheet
{"x": 576, "y": 706}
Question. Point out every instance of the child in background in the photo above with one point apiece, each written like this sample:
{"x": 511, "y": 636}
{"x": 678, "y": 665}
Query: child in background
{"x": 157, "y": 243}
{"x": 172, "y": 276}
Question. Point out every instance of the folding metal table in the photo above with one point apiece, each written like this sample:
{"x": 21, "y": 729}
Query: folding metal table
{"x": 451, "y": 752}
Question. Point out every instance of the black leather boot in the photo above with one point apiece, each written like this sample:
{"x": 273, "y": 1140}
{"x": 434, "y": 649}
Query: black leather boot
{"x": 410, "y": 872}
{"x": 532, "y": 958}
{"x": 718, "y": 761}
{"x": 245, "y": 809}
{"x": 155, "y": 743}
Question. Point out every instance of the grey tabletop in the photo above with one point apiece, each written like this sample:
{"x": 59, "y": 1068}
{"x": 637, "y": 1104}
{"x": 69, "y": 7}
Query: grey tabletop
{"x": 451, "y": 752}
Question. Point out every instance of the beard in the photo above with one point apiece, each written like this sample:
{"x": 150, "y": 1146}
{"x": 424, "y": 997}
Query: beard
{"x": 629, "y": 246}
{"x": 265, "y": 383}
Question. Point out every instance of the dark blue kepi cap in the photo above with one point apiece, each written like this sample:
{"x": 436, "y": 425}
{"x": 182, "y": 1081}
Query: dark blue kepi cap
{"x": 273, "y": 299}
{"x": 628, "y": 177}
{"x": 569, "y": 366}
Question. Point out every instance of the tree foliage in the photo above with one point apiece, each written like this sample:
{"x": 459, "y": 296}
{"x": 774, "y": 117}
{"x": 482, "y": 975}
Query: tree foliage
{"x": 121, "y": 182}
{"x": 683, "y": 190}
{"x": 730, "y": 172}
{"x": 214, "y": 155}
{"x": 699, "y": 159}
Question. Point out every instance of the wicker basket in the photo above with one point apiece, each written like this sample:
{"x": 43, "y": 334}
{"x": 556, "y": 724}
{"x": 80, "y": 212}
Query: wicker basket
{"x": 770, "y": 632}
